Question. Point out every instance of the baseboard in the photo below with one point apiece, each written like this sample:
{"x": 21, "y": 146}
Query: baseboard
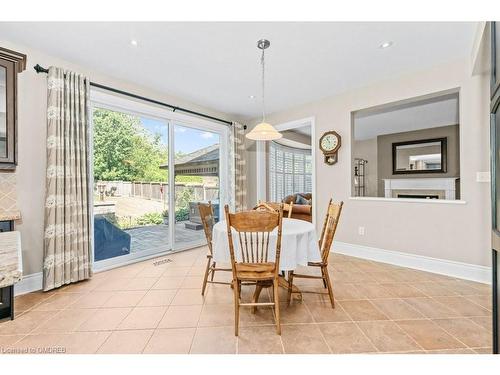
{"x": 29, "y": 283}
{"x": 460, "y": 270}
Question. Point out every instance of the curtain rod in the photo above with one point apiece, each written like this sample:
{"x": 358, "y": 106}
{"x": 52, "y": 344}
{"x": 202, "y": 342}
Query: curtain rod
{"x": 40, "y": 69}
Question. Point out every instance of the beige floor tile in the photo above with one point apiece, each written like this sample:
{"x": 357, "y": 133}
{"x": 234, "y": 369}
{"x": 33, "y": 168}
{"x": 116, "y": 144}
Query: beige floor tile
{"x": 188, "y": 297}
{"x": 92, "y": 300}
{"x": 431, "y": 308}
{"x": 43, "y": 343}
{"x": 105, "y": 319}
{"x": 25, "y": 323}
{"x": 143, "y": 318}
{"x": 362, "y": 310}
{"x": 429, "y": 335}
{"x": 346, "y": 337}
{"x": 484, "y": 321}
{"x": 6, "y": 342}
{"x": 466, "y": 331}
{"x": 385, "y": 277}
{"x": 483, "y": 350}
{"x": 170, "y": 282}
{"x": 65, "y": 321}
{"x": 387, "y": 336}
{"x": 216, "y": 316}
{"x": 263, "y": 316}
{"x": 451, "y": 351}
{"x": 402, "y": 290}
{"x": 58, "y": 301}
{"x": 170, "y": 341}
{"x": 181, "y": 316}
{"x": 397, "y": 309}
{"x": 125, "y": 298}
{"x": 295, "y": 313}
{"x": 126, "y": 342}
{"x": 176, "y": 271}
{"x": 192, "y": 282}
{"x": 214, "y": 340}
{"x": 463, "y": 306}
{"x": 140, "y": 283}
{"x": 152, "y": 271}
{"x": 374, "y": 290}
{"x": 346, "y": 291}
{"x": 218, "y": 294}
{"x": 113, "y": 285}
{"x": 30, "y": 300}
{"x": 324, "y": 313}
{"x": 462, "y": 288}
{"x": 303, "y": 339}
{"x": 157, "y": 298}
{"x": 83, "y": 342}
{"x": 484, "y": 301}
{"x": 259, "y": 340}
{"x": 197, "y": 271}
{"x": 433, "y": 289}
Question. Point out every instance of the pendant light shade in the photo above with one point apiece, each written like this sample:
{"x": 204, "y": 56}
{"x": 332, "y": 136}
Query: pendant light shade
{"x": 263, "y": 131}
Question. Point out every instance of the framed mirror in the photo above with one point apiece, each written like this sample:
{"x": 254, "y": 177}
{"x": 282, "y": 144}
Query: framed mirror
{"x": 420, "y": 156}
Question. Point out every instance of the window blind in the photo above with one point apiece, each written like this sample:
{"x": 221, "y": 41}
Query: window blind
{"x": 290, "y": 171}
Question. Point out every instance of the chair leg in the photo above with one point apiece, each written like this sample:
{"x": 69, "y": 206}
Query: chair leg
{"x": 290, "y": 287}
{"x": 277, "y": 305}
{"x": 213, "y": 272}
{"x": 207, "y": 271}
{"x": 256, "y": 294}
{"x": 324, "y": 277}
{"x": 328, "y": 283}
{"x": 236, "y": 306}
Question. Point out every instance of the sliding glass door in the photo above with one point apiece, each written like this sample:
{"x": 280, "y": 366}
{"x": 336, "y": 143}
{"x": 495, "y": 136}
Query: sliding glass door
{"x": 141, "y": 206}
{"x": 197, "y": 155}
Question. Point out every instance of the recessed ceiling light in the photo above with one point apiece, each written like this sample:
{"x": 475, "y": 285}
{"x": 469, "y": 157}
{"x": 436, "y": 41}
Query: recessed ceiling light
{"x": 251, "y": 96}
{"x": 386, "y": 45}
{"x": 133, "y": 42}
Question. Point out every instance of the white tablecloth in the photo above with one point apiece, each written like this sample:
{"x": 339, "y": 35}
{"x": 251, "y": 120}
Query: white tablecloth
{"x": 299, "y": 244}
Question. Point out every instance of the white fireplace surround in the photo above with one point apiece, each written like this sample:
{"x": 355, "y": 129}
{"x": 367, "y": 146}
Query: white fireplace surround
{"x": 445, "y": 184}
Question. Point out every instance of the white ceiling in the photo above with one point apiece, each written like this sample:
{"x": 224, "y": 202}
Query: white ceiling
{"x": 428, "y": 113}
{"x": 217, "y": 64}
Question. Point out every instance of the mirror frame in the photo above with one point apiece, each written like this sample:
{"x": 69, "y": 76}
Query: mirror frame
{"x": 14, "y": 63}
{"x": 443, "y": 142}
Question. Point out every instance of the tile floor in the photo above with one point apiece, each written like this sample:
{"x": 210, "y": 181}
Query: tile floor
{"x": 143, "y": 308}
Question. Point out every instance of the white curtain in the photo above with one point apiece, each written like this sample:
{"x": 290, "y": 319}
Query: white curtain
{"x": 67, "y": 246}
{"x": 237, "y": 168}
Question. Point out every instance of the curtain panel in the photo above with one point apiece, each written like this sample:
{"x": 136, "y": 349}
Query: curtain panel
{"x": 237, "y": 166}
{"x": 67, "y": 236}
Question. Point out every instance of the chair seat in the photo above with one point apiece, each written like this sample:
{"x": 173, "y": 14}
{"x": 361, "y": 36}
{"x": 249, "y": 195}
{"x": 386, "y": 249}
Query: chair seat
{"x": 255, "y": 271}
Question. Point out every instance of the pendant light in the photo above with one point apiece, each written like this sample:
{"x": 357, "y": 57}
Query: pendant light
{"x": 263, "y": 131}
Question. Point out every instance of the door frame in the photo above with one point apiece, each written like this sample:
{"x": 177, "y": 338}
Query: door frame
{"x": 261, "y": 159}
{"x": 101, "y": 99}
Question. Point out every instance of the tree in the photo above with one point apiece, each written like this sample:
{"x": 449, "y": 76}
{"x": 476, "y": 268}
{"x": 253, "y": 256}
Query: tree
{"x": 124, "y": 150}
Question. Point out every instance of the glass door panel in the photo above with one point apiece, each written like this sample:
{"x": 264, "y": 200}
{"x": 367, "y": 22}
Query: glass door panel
{"x": 131, "y": 195}
{"x": 197, "y": 169}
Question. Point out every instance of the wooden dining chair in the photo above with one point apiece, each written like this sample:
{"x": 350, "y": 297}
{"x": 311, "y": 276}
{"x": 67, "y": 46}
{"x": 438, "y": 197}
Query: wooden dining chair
{"x": 269, "y": 206}
{"x": 325, "y": 243}
{"x": 208, "y": 221}
{"x": 254, "y": 263}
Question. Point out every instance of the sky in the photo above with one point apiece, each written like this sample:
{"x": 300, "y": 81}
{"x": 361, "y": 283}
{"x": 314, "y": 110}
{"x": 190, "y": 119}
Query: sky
{"x": 186, "y": 139}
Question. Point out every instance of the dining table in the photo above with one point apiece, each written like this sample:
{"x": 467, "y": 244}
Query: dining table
{"x": 299, "y": 246}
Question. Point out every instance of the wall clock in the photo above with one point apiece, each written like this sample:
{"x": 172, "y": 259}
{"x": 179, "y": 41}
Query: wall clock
{"x": 329, "y": 143}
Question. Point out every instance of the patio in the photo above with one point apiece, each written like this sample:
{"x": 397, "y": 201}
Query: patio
{"x": 157, "y": 237}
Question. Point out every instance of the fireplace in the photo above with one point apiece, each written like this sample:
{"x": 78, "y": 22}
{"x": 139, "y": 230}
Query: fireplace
{"x": 419, "y": 196}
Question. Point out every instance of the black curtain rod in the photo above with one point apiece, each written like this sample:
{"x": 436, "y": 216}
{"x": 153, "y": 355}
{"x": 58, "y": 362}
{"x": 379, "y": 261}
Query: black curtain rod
{"x": 40, "y": 69}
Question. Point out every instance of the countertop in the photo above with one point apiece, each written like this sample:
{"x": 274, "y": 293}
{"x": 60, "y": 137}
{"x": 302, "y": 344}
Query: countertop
{"x": 10, "y": 258}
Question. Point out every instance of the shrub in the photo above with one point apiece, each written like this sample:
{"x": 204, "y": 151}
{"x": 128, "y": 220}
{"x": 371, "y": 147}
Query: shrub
{"x": 151, "y": 218}
{"x": 181, "y": 214}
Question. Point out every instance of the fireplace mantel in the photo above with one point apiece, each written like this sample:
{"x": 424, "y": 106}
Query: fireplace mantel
{"x": 447, "y": 185}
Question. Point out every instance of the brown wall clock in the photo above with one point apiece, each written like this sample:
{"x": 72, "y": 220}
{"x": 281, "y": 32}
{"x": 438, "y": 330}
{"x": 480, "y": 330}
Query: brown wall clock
{"x": 329, "y": 143}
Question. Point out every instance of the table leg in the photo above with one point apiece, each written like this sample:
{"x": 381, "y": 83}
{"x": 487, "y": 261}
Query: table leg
{"x": 284, "y": 284}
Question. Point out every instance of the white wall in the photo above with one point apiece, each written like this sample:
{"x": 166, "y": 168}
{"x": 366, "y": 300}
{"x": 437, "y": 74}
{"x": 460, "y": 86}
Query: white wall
{"x": 32, "y": 101}
{"x": 458, "y": 232}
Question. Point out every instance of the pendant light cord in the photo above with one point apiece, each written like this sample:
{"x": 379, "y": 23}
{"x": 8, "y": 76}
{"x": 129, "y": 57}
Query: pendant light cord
{"x": 262, "y": 61}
